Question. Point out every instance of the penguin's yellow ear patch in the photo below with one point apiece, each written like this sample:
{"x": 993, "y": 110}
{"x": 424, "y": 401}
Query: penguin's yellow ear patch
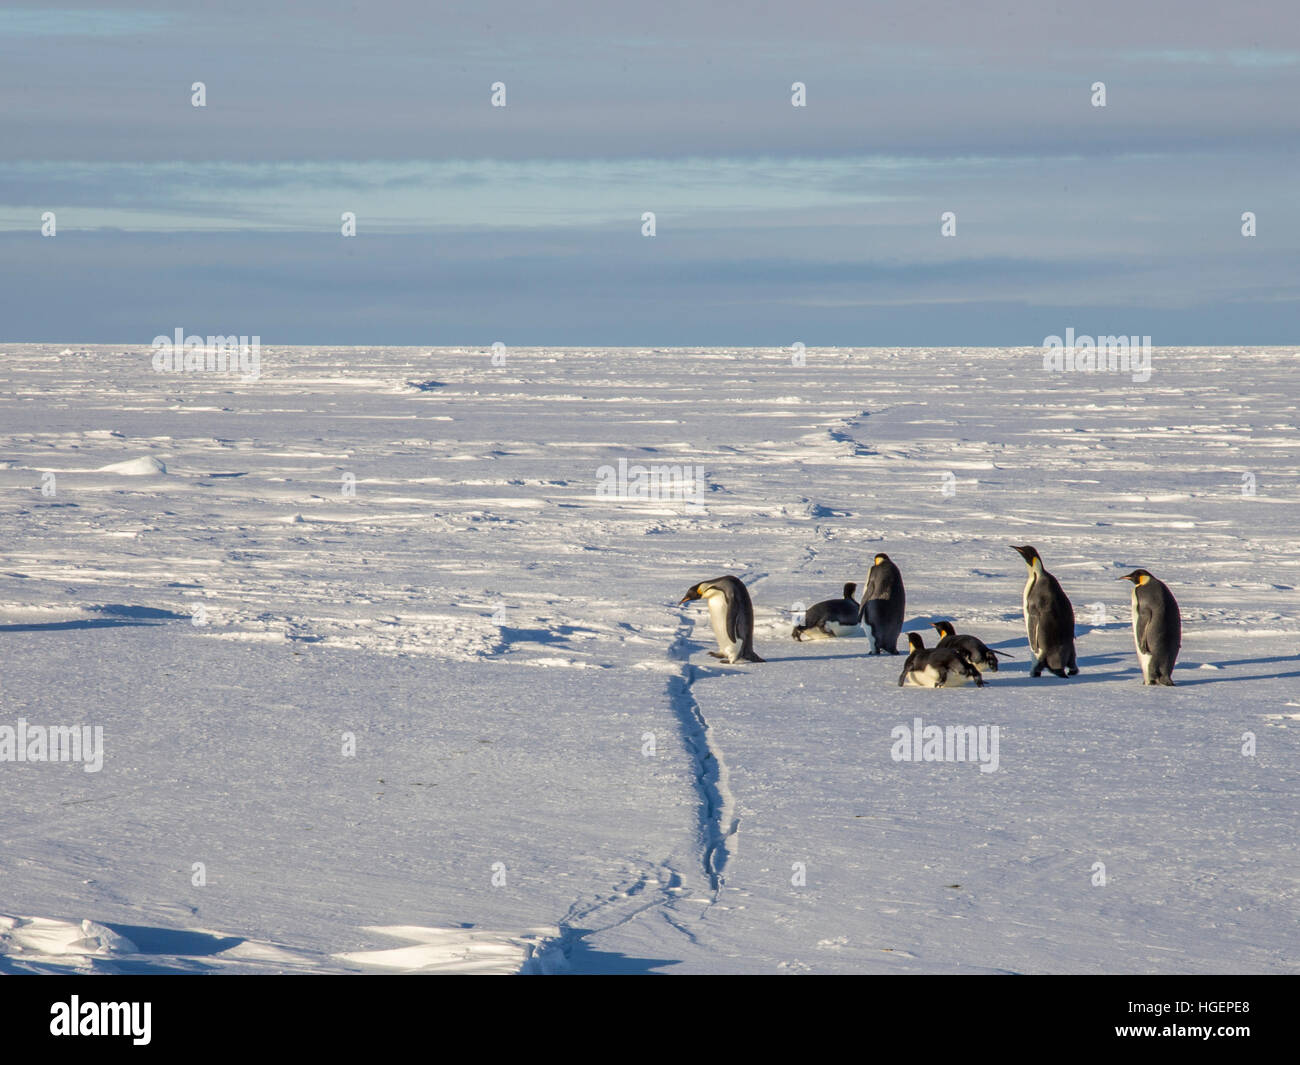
{"x": 878, "y": 558}
{"x": 1143, "y": 578}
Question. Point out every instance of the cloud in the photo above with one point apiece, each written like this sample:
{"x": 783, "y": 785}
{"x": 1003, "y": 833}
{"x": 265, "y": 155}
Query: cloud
{"x": 80, "y": 22}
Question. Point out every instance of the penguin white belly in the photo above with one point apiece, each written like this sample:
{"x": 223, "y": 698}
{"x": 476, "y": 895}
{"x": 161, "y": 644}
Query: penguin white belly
{"x": 837, "y": 629}
{"x": 1144, "y": 660}
{"x": 957, "y": 680}
{"x": 817, "y": 634}
{"x": 1024, "y": 606}
{"x": 718, "y": 619}
{"x": 926, "y": 677}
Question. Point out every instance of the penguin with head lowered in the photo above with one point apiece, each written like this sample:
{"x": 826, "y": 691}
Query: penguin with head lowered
{"x": 731, "y": 613}
{"x": 1049, "y": 619}
{"x": 937, "y": 667}
{"x": 883, "y": 605}
{"x": 981, "y": 656}
{"x": 1157, "y": 627}
{"x": 831, "y": 617}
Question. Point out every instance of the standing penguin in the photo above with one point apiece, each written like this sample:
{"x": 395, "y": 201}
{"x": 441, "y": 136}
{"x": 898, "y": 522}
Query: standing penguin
{"x": 981, "y": 656}
{"x": 938, "y": 667}
{"x": 1157, "y": 627}
{"x": 883, "y": 605}
{"x": 731, "y": 613}
{"x": 831, "y": 617}
{"x": 1049, "y": 619}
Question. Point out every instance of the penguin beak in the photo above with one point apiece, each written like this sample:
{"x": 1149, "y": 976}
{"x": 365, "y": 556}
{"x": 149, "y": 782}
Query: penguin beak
{"x": 1128, "y": 577}
{"x": 691, "y": 593}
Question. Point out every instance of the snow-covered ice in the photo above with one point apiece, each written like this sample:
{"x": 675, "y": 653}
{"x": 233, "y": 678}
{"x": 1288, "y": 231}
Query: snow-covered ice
{"x": 404, "y": 551}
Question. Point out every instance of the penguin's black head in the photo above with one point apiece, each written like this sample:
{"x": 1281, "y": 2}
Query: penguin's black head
{"x": 693, "y": 593}
{"x": 881, "y": 558}
{"x": 1028, "y": 553}
{"x": 915, "y": 642}
{"x": 944, "y": 628}
{"x": 850, "y": 589}
{"x": 1138, "y": 576}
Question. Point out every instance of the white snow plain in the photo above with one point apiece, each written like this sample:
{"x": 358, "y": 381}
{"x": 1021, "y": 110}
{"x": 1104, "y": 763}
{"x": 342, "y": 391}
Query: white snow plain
{"x": 550, "y": 774}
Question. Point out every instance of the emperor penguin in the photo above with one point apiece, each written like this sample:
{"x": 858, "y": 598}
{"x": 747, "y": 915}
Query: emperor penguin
{"x": 1049, "y": 619}
{"x": 731, "y": 613}
{"x": 883, "y": 604}
{"x": 831, "y": 617}
{"x": 938, "y": 667}
{"x": 981, "y": 656}
{"x": 1157, "y": 627}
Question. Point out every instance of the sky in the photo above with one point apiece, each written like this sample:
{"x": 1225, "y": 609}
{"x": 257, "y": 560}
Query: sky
{"x": 523, "y": 224}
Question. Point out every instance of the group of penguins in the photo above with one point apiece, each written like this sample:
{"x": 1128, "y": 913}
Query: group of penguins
{"x": 956, "y": 660}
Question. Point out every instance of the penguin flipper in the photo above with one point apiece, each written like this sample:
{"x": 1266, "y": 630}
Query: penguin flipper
{"x": 1143, "y": 625}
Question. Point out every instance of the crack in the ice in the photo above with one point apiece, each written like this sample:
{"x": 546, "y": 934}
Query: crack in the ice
{"x": 718, "y": 823}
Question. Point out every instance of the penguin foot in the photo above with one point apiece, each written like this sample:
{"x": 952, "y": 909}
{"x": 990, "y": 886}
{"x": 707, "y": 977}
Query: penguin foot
{"x": 718, "y": 654}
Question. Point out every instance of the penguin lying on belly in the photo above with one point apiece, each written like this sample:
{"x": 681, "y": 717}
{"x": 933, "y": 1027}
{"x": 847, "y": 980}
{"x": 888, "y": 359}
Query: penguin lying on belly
{"x": 981, "y": 656}
{"x": 731, "y": 613}
{"x": 939, "y": 667}
{"x": 832, "y": 617}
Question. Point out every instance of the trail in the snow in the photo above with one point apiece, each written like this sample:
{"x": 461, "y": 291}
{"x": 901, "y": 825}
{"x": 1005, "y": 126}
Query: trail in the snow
{"x": 648, "y": 890}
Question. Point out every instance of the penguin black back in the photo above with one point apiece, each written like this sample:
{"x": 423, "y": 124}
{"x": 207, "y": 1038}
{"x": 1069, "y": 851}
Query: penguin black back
{"x": 1157, "y": 627}
{"x": 831, "y": 617}
{"x": 1049, "y": 618}
{"x": 884, "y": 604}
{"x": 979, "y": 654}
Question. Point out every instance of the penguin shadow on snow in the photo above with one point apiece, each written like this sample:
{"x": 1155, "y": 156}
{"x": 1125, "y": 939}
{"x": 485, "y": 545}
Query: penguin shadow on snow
{"x": 814, "y": 657}
{"x": 1014, "y": 673}
{"x": 1186, "y": 676}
